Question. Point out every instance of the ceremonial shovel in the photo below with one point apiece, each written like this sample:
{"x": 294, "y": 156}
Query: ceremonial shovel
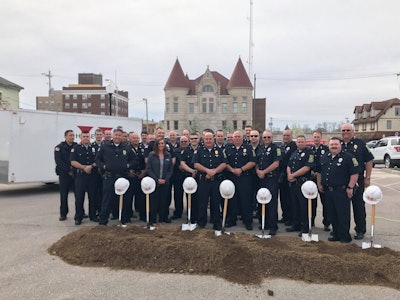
{"x": 148, "y": 186}
{"x": 121, "y": 185}
{"x": 310, "y": 191}
{"x": 190, "y": 187}
{"x": 227, "y": 190}
{"x": 372, "y": 195}
{"x": 263, "y": 197}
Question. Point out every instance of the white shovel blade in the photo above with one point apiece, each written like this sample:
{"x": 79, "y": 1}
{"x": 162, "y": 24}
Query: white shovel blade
{"x": 150, "y": 228}
{"x": 219, "y": 232}
{"x": 190, "y": 227}
{"x": 263, "y": 236}
{"x": 122, "y": 225}
{"x": 366, "y": 245}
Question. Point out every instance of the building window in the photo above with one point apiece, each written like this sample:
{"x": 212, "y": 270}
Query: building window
{"x": 397, "y": 111}
{"x": 84, "y": 105}
{"x": 211, "y": 105}
{"x": 67, "y": 97}
{"x": 224, "y": 108}
{"x": 167, "y": 107}
{"x": 84, "y": 97}
{"x": 234, "y": 124}
{"x": 74, "y": 97}
{"x": 364, "y": 126}
{"x": 176, "y": 107}
{"x": 102, "y": 105}
{"x": 224, "y": 124}
{"x": 244, "y": 107}
{"x": 74, "y": 105}
{"x": 66, "y": 105}
{"x": 167, "y": 125}
{"x": 208, "y": 89}
{"x": 372, "y": 125}
{"x": 204, "y": 105}
{"x": 191, "y": 108}
{"x": 235, "y": 107}
{"x": 176, "y": 123}
{"x": 102, "y": 97}
{"x": 102, "y": 113}
{"x": 389, "y": 124}
{"x": 244, "y": 123}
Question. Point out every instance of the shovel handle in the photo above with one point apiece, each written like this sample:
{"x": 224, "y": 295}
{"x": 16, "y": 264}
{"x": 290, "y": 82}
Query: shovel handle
{"x": 373, "y": 215}
{"x": 309, "y": 209}
{"x": 121, "y": 197}
{"x": 147, "y": 211}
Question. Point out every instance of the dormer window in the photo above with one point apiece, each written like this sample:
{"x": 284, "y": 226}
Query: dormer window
{"x": 208, "y": 89}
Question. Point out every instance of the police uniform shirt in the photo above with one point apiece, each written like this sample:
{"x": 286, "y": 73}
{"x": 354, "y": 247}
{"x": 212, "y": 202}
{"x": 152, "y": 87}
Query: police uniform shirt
{"x": 359, "y": 149}
{"x": 286, "y": 151}
{"x": 85, "y": 155}
{"x": 187, "y": 154}
{"x": 318, "y": 152}
{"x": 115, "y": 159}
{"x": 61, "y": 156}
{"x": 96, "y": 146}
{"x": 266, "y": 155}
{"x": 238, "y": 157}
{"x": 301, "y": 158}
{"x": 139, "y": 157}
{"x": 336, "y": 171}
{"x": 209, "y": 158}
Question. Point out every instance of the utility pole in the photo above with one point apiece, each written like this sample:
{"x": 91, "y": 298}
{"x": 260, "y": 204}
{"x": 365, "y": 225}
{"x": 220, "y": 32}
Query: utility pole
{"x": 49, "y": 76}
{"x": 147, "y": 115}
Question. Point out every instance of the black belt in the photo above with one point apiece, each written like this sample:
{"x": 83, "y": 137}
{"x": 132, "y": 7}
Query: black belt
{"x": 335, "y": 188}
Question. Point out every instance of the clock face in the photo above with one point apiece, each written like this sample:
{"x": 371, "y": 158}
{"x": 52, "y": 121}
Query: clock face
{"x": 110, "y": 88}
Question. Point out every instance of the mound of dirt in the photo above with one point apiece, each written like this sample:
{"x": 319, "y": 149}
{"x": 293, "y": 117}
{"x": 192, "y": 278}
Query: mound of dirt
{"x": 240, "y": 258}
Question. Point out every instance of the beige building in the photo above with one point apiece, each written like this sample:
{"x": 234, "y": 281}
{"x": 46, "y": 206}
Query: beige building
{"x": 9, "y": 94}
{"x": 208, "y": 101}
{"x": 377, "y": 119}
{"x": 52, "y": 103}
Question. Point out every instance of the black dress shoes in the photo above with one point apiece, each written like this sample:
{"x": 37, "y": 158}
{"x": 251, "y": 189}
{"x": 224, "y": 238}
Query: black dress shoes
{"x": 62, "y": 218}
{"x": 78, "y": 222}
{"x": 249, "y": 227}
{"x": 95, "y": 219}
{"x": 167, "y": 220}
{"x": 359, "y": 236}
{"x": 272, "y": 232}
{"x": 292, "y": 229}
{"x": 327, "y": 228}
{"x": 174, "y": 217}
{"x": 333, "y": 239}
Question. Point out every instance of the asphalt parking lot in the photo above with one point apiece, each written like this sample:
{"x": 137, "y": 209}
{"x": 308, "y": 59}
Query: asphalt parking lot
{"x": 29, "y": 225}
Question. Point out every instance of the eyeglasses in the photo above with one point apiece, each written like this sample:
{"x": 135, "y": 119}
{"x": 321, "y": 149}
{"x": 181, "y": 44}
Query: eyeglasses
{"x": 346, "y": 130}
{"x": 254, "y": 136}
{"x": 194, "y": 138}
{"x": 266, "y": 137}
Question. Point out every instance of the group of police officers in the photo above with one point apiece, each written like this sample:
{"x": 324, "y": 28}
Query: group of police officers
{"x": 341, "y": 170}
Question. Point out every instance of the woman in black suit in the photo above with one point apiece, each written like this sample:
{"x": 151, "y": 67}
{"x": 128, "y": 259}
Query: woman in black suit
{"x": 160, "y": 168}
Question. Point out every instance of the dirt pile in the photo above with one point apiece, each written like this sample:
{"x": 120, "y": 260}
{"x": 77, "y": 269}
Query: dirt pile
{"x": 240, "y": 258}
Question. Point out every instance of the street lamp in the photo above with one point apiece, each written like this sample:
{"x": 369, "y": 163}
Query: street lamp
{"x": 110, "y": 88}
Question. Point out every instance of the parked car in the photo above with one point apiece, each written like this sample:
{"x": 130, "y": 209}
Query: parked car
{"x": 372, "y": 144}
{"x": 387, "y": 151}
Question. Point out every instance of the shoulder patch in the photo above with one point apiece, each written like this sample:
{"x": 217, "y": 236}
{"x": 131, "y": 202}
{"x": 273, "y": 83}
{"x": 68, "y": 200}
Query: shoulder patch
{"x": 73, "y": 150}
{"x": 57, "y": 149}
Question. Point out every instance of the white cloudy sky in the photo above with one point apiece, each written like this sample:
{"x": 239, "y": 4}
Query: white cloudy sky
{"x": 314, "y": 60}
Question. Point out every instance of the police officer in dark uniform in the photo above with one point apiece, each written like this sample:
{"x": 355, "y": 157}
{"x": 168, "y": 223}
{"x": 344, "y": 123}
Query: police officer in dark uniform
{"x": 135, "y": 178}
{"x": 361, "y": 152}
{"x": 240, "y": 160}
{"x": 187, "y": 165}
{"x": 337, "y": 176}
{"x": 267, "y": 170}
{"x": 82, "y": 159}
{"x": 178, "y": 176}
{"x": 210, "y": 163}
{"x": 255, "y": 182}
{"x": 319, "y": 150}
{"x": 98, "y": 141}
{"x": 299, "y": 171}
{"x": 114, "y": 159}
{"x": 64, "y": 170}
{"x": 287, "y": 148}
